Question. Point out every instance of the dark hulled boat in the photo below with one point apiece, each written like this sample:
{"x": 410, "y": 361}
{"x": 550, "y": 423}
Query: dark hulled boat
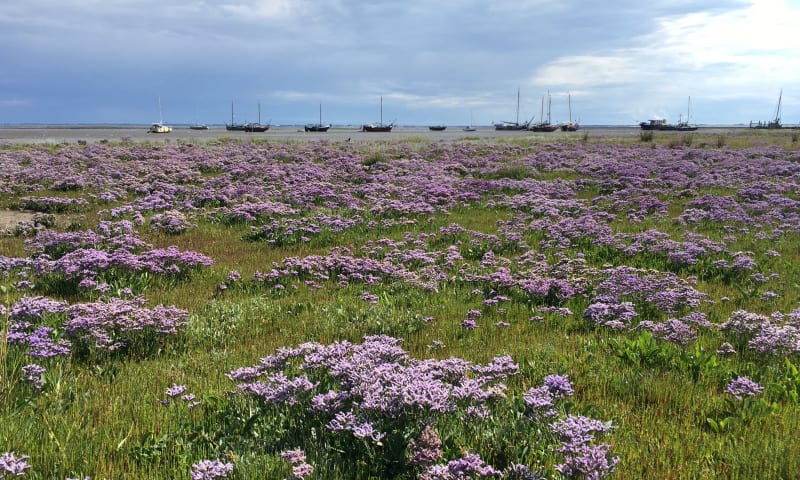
{"x": 510, "y": 126}
{"x": 437, "y": 128}
{"x": 544, "y": 125}
{"x": 378, "y": 127}
{"x": 772, "y": 124}
{"x": 256, "y": 127}
{"x": 317, "y": 127}
{"x": 373, "y": 127}
{"x": 234, "y": 127}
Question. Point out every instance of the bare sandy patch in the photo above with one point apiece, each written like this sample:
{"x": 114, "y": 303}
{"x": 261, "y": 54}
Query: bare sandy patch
{"x": 10, "y": 218}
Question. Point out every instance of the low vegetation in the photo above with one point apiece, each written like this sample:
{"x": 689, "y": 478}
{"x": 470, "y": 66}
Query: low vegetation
{"x": 613, "y": 308}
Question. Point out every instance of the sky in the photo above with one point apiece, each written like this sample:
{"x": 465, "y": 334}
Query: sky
{"x": 615, "y": 62}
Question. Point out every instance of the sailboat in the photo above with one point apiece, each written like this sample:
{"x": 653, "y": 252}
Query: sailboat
{"x": 256, "y": 127}
{"x": 544, "y": 126}
{"x": 772, "y": 124}
{"x": 198, "y": 125}
{"x": 236, "y": 127}
{"x": 685, "y": 126}
{"x": 469, "y": 128}
{"x": 159, "y": 127}
{"x": 378, "y": 127}
{"x": 569, "y": 126}
{"x": 318, "y": 127}
{"x": 512, "y": 125}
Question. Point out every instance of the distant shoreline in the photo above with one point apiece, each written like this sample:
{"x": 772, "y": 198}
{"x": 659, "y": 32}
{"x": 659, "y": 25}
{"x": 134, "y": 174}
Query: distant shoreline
{"x": 80, "y": 133}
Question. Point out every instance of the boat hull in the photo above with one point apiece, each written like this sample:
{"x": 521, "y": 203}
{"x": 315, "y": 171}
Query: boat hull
{"x": 437, "y": 128}
{"x": 256, "y": 128}
{"x": 667, "y": 127}
{"x": 158, "y": 128}
{"x": 376, "y": 128}
{"x": 317, "y": 128}
{"x": 544, "y": 127}
{"x": 505, "y": 127}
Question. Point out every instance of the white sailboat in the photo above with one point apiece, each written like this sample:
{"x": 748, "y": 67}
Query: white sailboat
{"x": 160, "y": 127}
{"x": 569, "y": 126}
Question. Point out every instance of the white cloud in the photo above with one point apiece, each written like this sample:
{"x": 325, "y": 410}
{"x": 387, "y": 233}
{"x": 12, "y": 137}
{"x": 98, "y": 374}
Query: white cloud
{"x": 255, "y": 10}
{"x": 751, "y": 51}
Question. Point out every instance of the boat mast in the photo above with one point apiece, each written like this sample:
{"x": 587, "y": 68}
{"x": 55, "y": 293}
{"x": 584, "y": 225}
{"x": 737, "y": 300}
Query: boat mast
{"x": 778, "y": 109}
{"x": 320, "y": 114}
{"x": 541, "y": 111}
{"x": 569, "y": 101}
{"x": 517, "y": 105}
{"x": 259, "y": 113}
{"x": 160, "y": 116}
{"x": 549, "y": 104}
{"x": 231, "y": 114}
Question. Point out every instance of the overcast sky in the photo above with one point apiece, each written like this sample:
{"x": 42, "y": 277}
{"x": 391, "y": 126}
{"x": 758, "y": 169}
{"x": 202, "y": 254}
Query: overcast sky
{"x": 620, "y": 61}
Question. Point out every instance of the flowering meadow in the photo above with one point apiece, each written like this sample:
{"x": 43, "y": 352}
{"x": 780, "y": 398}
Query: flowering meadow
{"x": 571, "y": 308}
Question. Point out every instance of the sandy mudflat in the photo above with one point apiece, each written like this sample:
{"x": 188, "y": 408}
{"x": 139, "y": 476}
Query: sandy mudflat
{"x": 56, "y": 135}
{"x": 89, "y": 134}
{"x": 10, "y": 218}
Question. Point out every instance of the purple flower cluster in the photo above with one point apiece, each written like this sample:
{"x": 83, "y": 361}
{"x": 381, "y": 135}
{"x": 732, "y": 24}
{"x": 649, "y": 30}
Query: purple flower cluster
{"x": 663, "y": 290}
{"x": 13, "y": 465}
{"x": 471, "y": 465}
{"x": 779, "y": 335}
{"x": 171, "y": 222}
{"x": 613, "y": 315}
{"x": 743, "y": 387}
{"x": 210, "y": 470}
{"x": 108, "y": 325}
{"x": 425, "y": 450}
{"x": 33, "y": 374}
{"x": 300, "y": 468}
{"x": 673, "y": 331}
{"x": 367, "y": 390}
{"x": 51, "y": 204}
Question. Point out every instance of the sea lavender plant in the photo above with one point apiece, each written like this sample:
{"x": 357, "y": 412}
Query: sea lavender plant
{"x": 743, "y": 387}
{"x": 13, "y": 465}
{"x": 210, "y": 470}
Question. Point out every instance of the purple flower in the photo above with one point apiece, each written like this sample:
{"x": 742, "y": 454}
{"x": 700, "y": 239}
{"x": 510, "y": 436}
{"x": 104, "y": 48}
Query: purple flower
{"x": 558, "y": 385}
{"x": 578, "y": 430}
{"x": 588, "y": 462}
{"x": 426, "y": 449}
{"x": 294, "y": 456}
{"x": 33, "y": 373}
{"x": 726, "y": 349}
{"x": 12, "y": 465}
{"x": 469, "y": 466}
{"x": 210, "y": 470}
{"x": 614, "y": 315}
{"x": 175, "y": 390}
{"x": 469, "y": 324}
{"x": 743, "y": 387}
{"x": 301, "y": 470}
